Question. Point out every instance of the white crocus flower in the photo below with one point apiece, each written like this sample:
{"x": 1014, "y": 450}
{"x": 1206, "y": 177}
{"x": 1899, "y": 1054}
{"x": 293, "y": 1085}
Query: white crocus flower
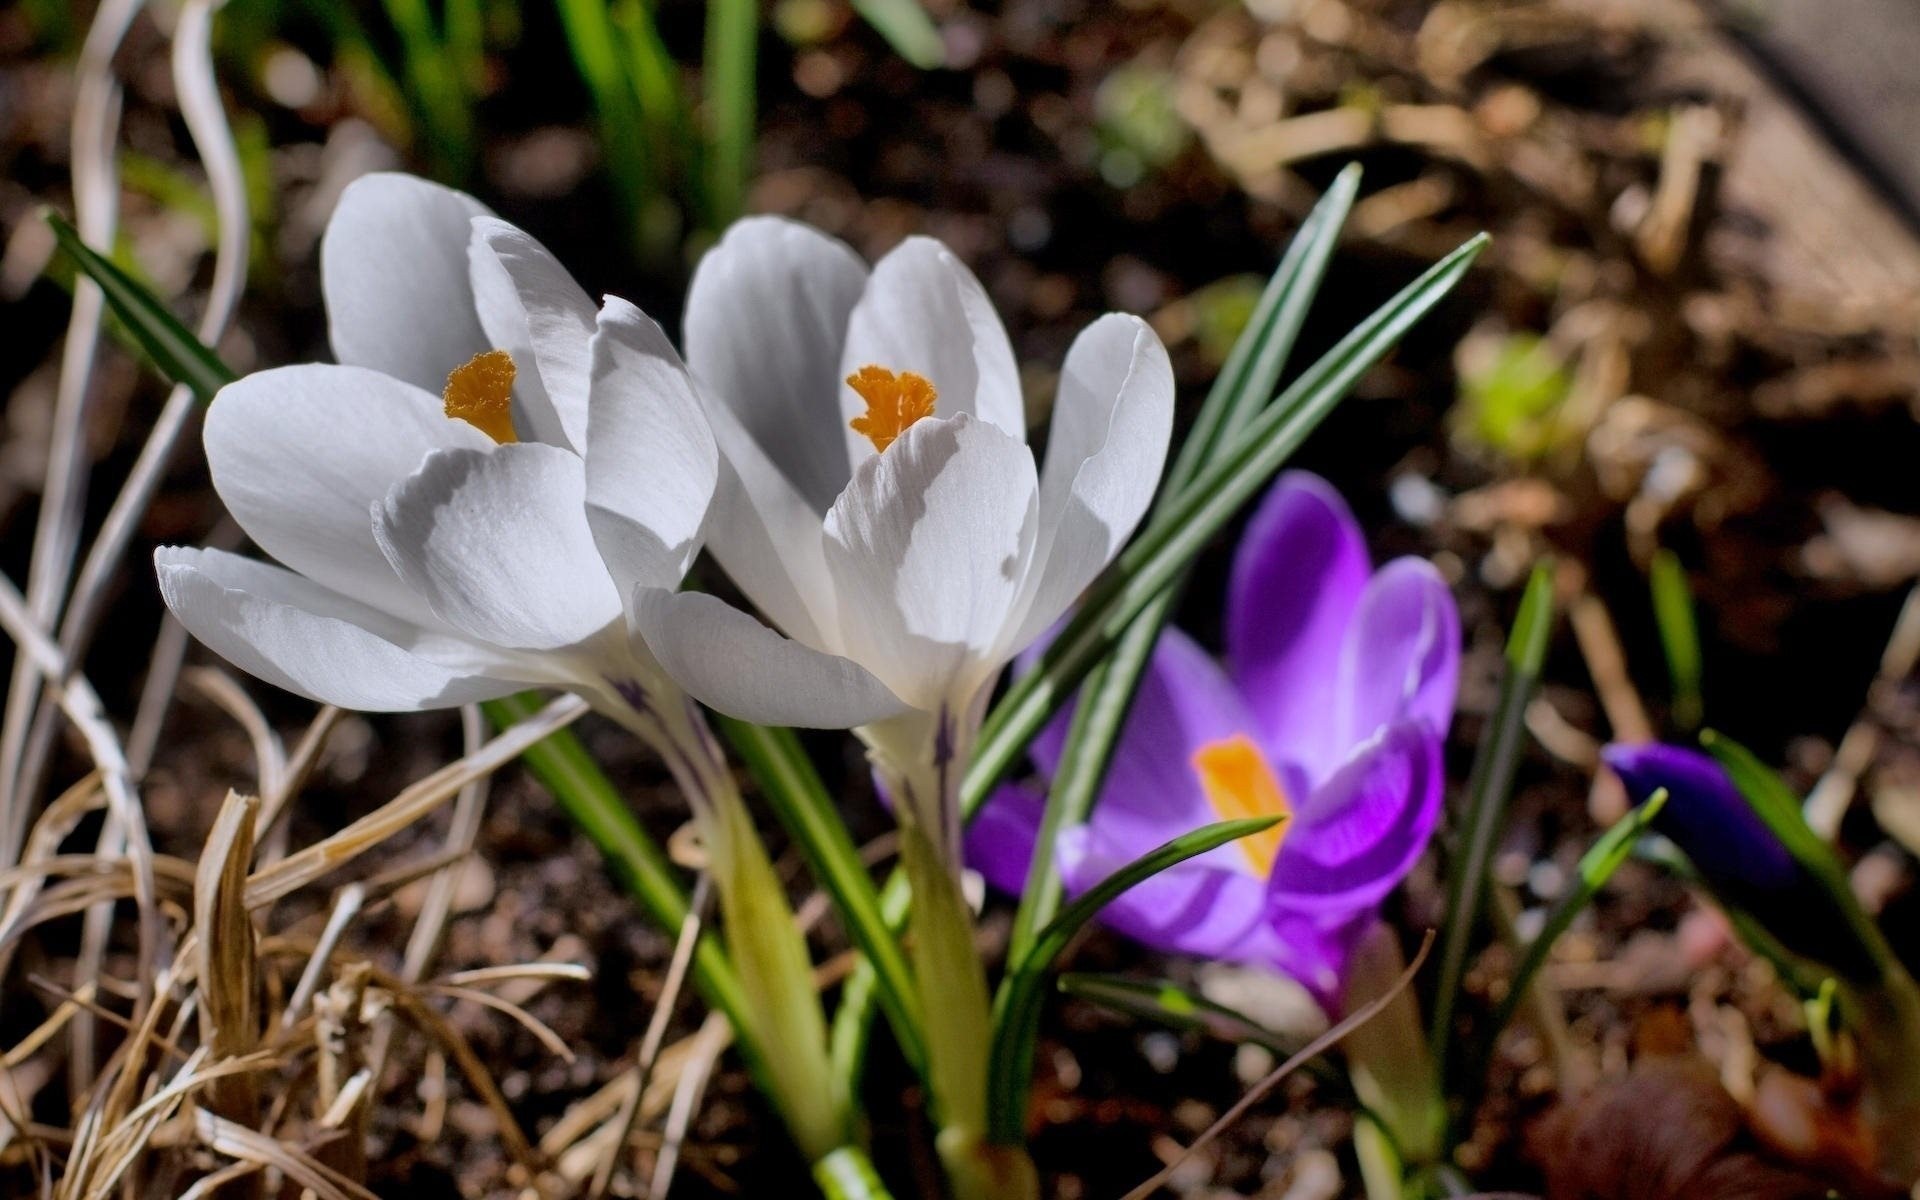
{"x": 878, "y": 501}
{"x": 879, "y": 504}
{"x": 437, "y": 529}
{"x": 426, "y": 497}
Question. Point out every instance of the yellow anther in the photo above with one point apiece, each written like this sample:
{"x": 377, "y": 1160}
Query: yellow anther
{"x": 1239, "y": 782}
{"x": 480, "y": 392}
{"x": 893, "y": 402}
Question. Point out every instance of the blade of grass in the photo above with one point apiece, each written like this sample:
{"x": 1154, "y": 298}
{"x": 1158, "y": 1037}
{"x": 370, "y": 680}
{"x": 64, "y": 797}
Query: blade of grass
{"x": 790, "y": 784}
{"x": 1170, "y": 542}
{"x": 733, "y": 34}
{"x": 1597, "y": 865}
{"x": 597, "y": 48}
{"x": 1679, "y": 635}
{"x": 1171, "y": 1005}
{"x": 432, "y": 72}
{"x": 175, "y": 352}
{"x": 1016, "y": 1005}
{"x": 1488, "y": 789}
{"x": 907, "y": 28}
{"x": 1246, "y": 381}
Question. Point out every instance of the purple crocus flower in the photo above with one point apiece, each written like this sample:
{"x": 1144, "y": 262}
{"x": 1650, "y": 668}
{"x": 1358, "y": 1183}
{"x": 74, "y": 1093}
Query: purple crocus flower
{"x": 1737, "y": 856}
{"x": 1331, "y": 706}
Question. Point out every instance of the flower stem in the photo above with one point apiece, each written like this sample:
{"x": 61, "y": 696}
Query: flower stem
{"x": 768, "y": 949}
{"x": 922, "y": 763}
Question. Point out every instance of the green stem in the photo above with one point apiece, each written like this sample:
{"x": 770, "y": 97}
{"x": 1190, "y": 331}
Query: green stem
{"x": 848, "y": 1174}
{"x": 763, "y": 940}
{"x": 800, "y": 800}
{"x": 569, "y": 773}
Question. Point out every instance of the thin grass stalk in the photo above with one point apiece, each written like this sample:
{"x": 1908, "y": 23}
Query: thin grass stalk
{"x": 96, "y": 121}
{"x": 89, "y": 716}
{"x": 213, "y": 140}
{"x": 907, "y": 28}
{"x": 1483, "y": 816}
{"x": 228, "y": 967}
{"x": 1259, "y": 1091}
{"x": 731, "y": 55}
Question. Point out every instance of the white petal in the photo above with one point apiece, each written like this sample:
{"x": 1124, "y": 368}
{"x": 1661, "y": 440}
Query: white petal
{"x": 496, "y": 541}
{"x": 929, "y": 548}
{"x": 651, "y": 461}
{"x": 297, "y": 635}
{"x": 393, "y": 268}
{"x": 924, "y": 312}
{"x": 768, "y": 538}
{"x": 1108, "y": 444}
{"x": 730, "y": 662}
{"x": 766, "y": 317}
{"x": 532, "y": 309}
{"x": 300, "y": 453}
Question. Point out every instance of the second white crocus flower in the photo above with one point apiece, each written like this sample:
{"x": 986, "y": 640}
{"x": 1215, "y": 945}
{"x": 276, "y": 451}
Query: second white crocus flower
{"x": 879, "y": 504}
{"x": 878, "y": 500}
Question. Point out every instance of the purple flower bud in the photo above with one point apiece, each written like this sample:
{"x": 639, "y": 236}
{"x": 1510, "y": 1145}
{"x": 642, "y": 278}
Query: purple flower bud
{"x": 1737, "y": 856}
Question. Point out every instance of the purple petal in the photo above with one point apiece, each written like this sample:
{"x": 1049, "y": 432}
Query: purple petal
{"x": 1358, "y": 834}
{"x": 1001, "y": 837}
{"x": 1205, "y": 906}
{"x": 1297, "y": 579}
{"x": 1153, "y": 793}
{"x": 1402, "y": 655}
{"x": 1315, "y": 949}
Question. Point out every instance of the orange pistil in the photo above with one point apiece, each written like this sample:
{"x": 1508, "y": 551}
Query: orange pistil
{"x": 480, "y": 392}
{"x": 1239, "y": 782}
{"x": 893, "y": 402}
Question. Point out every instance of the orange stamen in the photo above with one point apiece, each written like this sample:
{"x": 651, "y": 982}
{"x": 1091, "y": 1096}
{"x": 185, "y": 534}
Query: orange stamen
{"x": 893, "y": 403}
{"x": 1239, "y": 782}
{"x": 480, "y": 392}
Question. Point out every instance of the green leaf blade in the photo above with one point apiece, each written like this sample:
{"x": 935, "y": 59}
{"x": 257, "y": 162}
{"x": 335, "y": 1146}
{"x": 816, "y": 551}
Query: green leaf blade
{"x": 175, "y": 351}
{"x": 1015, "y": 1007}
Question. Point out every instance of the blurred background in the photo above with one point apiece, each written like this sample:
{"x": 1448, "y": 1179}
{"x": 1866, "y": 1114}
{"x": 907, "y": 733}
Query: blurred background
{"x": 1694, "y": 333}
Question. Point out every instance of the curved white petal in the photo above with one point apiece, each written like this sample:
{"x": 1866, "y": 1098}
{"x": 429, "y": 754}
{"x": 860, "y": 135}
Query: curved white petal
{"x": 297, "y": 635}
{"x": 929, "y": 548}
{"x": 531, "y": 308}
{"x": 299, "y": 454}
{"x": 651, "y": 461}
{"x": 729, "y": 661}
{"x": 766, "y": 317}
{"x": 1107, "y": 446}
{"x": 924, "y": 312}
{"x": 393, "y": 269}
{"x": 496, "y": 542}
{"x": 767, "y": 537}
